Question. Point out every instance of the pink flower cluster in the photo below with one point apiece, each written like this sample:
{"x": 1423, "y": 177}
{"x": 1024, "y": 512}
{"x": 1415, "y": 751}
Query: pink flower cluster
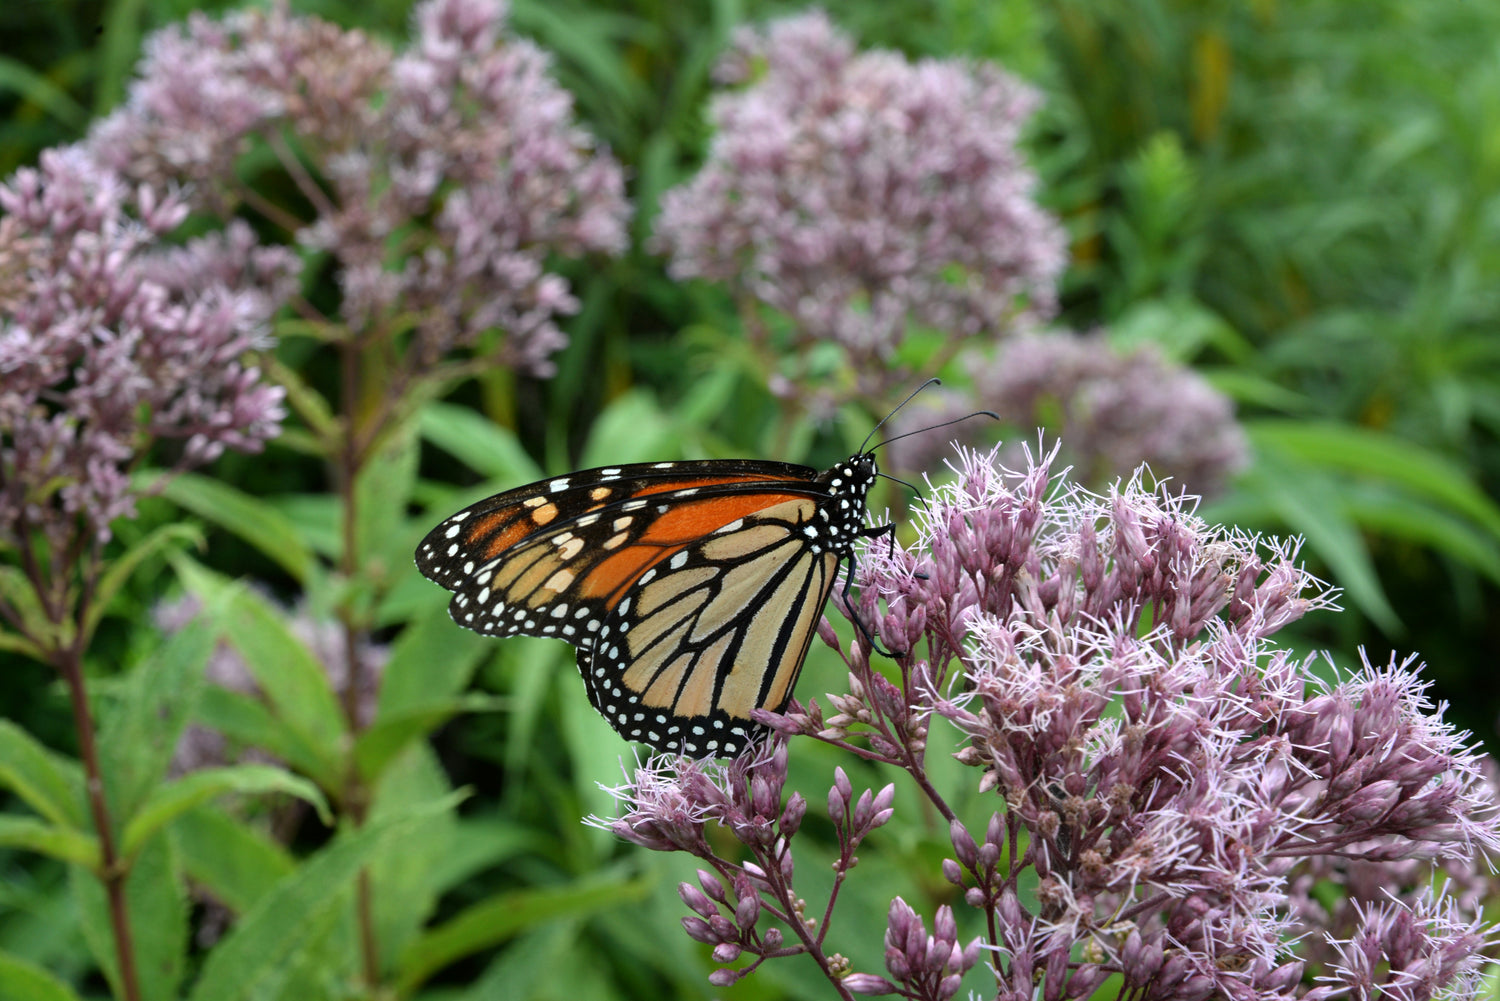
{"x": 110, "y": 341}
{"x": 440, "y": 178}
{"x": 860, "y": 194}
{"x": 1113, "y": 410}
{"x": 1160, "y": 775}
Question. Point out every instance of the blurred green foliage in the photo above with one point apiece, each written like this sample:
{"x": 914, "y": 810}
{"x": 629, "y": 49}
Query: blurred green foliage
{"x": 1301, "y": 199}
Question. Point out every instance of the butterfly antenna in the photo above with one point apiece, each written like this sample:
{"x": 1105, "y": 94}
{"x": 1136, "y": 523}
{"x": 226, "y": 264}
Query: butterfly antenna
{"x": 910, "y": 486}
{"x": 914, "y": 392}
{"x": 956, "y": 420}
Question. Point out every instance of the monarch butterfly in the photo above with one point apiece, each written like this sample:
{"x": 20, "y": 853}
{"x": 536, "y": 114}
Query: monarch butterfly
{"x": 691, "y": 589}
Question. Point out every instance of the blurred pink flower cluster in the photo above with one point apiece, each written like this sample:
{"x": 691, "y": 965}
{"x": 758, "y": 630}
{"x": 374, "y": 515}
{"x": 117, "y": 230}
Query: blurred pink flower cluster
{"x": 111, "y": 341}
{"x": 861, "y": 195}
{"x": 439, "y": 178}
{"x": 1113, "y": 410}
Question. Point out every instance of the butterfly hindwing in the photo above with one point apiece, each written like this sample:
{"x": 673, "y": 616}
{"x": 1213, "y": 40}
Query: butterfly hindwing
{"x": 715, "y": 631}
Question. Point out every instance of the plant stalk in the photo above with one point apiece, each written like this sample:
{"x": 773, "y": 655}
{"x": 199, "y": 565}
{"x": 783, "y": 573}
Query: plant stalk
{"x": 69, "y": 663}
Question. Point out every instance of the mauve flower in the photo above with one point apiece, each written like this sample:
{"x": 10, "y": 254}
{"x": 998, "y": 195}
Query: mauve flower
{"x": 1165, "y": 775}
{"x": 1113, "y": 409}
{"x": 440, "y": 178}
{"x": 861, "y": 194}
{"x": 110, "y": 341}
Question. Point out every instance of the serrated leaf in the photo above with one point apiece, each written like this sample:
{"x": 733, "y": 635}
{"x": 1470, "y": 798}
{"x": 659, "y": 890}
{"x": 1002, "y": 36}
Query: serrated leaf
{"x": 128, "y": 562}
{"x": 274, "y": 932}
{"x": 292, "y": 679}
{"x": 233, "y": 860}
{"x": 65, "y": 843}
{"x": 492, "y": 921}
{"x": 49, "y": 783}
{"x": 172, "y": 799}
{"x": 431, "y": 661}
{"x": 23, "y": 981}
{"x": 389, "y": 736}
{"x": 247, "y": 721}
{"x": 140, "y": 732}
{"x": 480, "y": 444}
{"x": 251, "y": 519}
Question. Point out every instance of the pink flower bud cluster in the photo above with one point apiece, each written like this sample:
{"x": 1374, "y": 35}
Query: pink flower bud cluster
{"x": 860, "y": 194}
{"x": 111, "y": 341}
{"x": 1163, "y": 781}
{"x": 440, "y": 178}
{"x": 1113, "y": 409}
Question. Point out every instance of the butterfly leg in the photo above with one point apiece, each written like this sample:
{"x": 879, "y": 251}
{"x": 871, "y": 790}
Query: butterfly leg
{"x": 859, "y": 623}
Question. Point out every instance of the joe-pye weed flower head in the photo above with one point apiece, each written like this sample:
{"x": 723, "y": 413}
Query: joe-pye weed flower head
{"x": 1158, "y": 771}
{"x": 860, "y": 195}
{"x": 1113, "y": 408}
{"x": 439, "y": 177}
{"x": 112, "y": 341}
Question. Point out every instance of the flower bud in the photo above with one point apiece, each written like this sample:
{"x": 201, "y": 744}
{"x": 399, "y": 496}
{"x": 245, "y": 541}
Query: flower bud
{"x": 963, "y": 844}
{"x": 791, "y": 817}
{"x": 695, "y": 899}
{"x": 747, "y": 911}
{"x": 867, "y": 983}
{"x": 699, "y": 930}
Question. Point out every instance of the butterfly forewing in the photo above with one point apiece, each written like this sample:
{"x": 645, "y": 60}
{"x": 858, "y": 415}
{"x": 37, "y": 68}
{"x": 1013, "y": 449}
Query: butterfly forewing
{"x": 691, "y": 589}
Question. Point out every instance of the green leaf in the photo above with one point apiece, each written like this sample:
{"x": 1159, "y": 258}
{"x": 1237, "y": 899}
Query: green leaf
{"x": 480, "y": 444}
{"x": 1311, "y": 505}
{"x": 390, "y": 735}
{"x": 21, "y": 981}
{"x": 139, "y": 734}
{"x": 253, "y": 520}
{"x": 275, "y": 931}
{"x": 308, "y": 403}
{"x": 171, "y": 800}
{"x": 1351, "y": 449}
{"x": 32, "y": 86}
{"x": 631, "y": 429}
{"x": 248, "y": 722}
{"x": 294, "y": 681}
{"x": 118, "y": 49}
{"x": 431, "y": 661}
{"x": 382, "y": 491}
{"x": 405, "y": 892}
{"x": 65, "y": 843}
{"x": 49, "y": 783}
{"x": 1397, "y": 514}
{"x": 233, "y": 860}
{"x": 17, "y": 592}
{"x": 157, "y": 902}
{"x": 163, "y": 538}
{"x": 291, "y": 677}
{"x": 492, "y": 921}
